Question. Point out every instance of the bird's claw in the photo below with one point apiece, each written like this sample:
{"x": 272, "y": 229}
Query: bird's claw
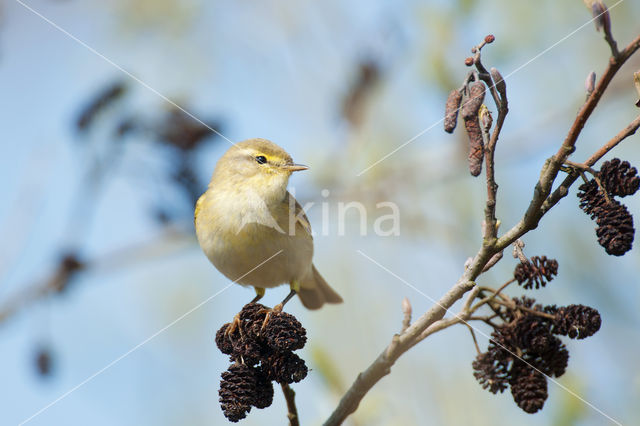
{"x": 268, "y": 312}
{"x": 235, "y": 325}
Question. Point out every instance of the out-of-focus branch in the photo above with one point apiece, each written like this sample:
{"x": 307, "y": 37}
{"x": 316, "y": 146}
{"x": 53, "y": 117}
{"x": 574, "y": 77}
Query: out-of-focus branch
{"x": 70, "y": 265}
{"x": 57, "y": 282}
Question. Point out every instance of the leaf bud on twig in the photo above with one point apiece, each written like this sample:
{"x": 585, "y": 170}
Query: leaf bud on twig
{"x": 498, "y": 81}
{"x": 485, "y": 118}
{"x": 590, "y": 83}
{"x": 601, "y": 16}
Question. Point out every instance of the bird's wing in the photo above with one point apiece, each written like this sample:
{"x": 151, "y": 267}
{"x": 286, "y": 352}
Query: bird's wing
{"x": 300, "y": 216}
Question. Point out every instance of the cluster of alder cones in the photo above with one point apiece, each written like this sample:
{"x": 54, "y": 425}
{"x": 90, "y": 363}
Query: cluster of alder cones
{"x": 615, "y": 230}
{"x": 261, "y": 352}
{"x": 524, "y": 349}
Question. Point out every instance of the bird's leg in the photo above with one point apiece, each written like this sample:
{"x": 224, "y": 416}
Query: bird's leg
{"x": 235, "y": 324}
{"x": 295, "y": 287}
{"x": 279, "y": 306}
{"x": 259, "y": 294}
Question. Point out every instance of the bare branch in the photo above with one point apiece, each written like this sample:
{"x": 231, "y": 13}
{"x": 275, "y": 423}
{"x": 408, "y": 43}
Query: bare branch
{"x": 473, "y": 335}
{"x": 613, "y": 142}
{"x": 542, "y": 201}
{"x": 290, "y": 397}
{"x": 69, "y": 266}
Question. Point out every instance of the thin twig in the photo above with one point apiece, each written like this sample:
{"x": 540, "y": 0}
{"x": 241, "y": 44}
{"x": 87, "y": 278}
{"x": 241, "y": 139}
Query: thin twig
{"x": 292, "y": 411}
{"x": 473, "y": 335}
{"x": 513, "y": 305}
{"x": 581, "y": 167}
{"x": 503, "y": 286}
{"x": 485, "y": 301}
{"x": 472, "y": 296}
{"x": 613, "y": 142}
{"x": 483, "y": 317}
{"x": 489, "y": 299}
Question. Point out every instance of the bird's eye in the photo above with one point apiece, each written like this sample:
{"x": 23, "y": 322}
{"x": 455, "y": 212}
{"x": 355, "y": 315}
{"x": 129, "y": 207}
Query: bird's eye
{"x": 261, "y": 159}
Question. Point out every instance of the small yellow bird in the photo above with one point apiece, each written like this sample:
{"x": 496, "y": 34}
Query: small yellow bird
{"x": 254, "y": 231}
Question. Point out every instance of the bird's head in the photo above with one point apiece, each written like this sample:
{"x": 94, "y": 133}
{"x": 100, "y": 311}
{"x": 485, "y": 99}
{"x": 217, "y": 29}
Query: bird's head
{"x": 256, "y": 164}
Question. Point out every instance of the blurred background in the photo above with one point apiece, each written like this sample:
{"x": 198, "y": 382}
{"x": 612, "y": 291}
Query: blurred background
{"x": 100, "y": 175}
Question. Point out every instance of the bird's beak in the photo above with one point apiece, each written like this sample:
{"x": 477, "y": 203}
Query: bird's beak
{"x": 294, "y": 167}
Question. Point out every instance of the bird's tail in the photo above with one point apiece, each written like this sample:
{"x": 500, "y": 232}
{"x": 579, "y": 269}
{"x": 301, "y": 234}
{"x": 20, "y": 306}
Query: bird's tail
{"x": 315, "y": 292}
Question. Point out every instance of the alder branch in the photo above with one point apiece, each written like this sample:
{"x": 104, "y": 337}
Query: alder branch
{"x": 542, "y": 200}
{"x": 563, "y": 189}
{"x": 290, "y": 397}
{"x": 613, "y": 142}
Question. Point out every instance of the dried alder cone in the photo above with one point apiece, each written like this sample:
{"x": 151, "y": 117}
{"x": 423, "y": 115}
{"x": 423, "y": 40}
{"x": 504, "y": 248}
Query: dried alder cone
{"x": 615, "y": 229}
{"x": 238, "y": 391}
{"x": 538, "y": 271}
{"x": 530, "y": 391}
{"x": 525, "y": 349}
{"x": 576, "y": 321}
{"x": 619, "y": 178}
{"x": 260, "y": 356}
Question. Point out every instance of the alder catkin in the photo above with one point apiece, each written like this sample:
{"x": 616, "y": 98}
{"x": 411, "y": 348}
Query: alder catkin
{"x": 472, "y": 105}
{"x": 451, "y": 111}
{"x": 476, "y": 145}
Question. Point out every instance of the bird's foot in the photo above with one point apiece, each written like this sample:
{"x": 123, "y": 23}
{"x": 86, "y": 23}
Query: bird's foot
{"x": 268, "y": 313}
{"x": 236, "y": 324}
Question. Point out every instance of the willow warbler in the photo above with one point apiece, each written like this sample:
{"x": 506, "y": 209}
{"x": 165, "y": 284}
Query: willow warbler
{"x": 253, "y": 230}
